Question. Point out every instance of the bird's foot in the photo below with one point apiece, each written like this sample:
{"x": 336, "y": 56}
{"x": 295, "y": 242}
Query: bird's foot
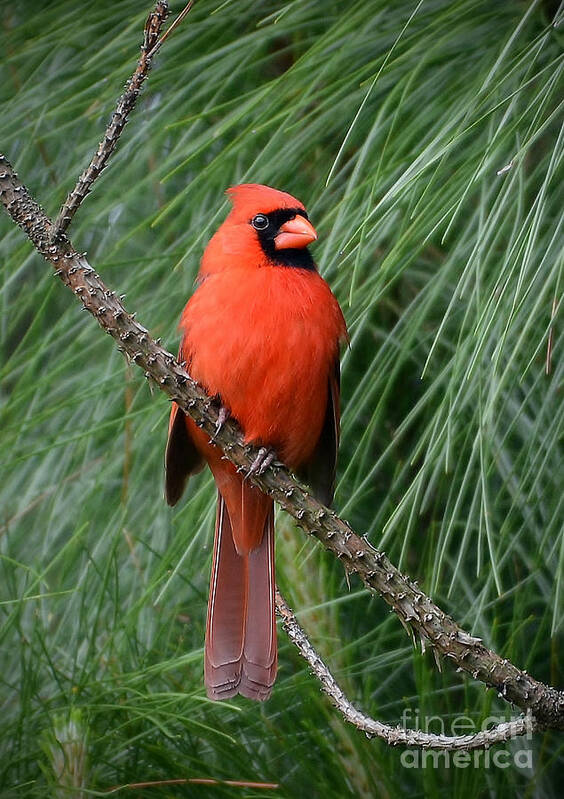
{"x": 222, "y": 417}
{"x": 262, "y": 461}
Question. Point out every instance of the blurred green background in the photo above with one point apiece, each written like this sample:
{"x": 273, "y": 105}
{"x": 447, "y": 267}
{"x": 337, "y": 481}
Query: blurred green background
{"x": 426, "y": 141}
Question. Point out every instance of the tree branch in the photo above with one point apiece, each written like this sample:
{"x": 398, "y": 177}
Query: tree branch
{"x": 416, "y": 610}
{"x": 124, "y": 107}
{"x": 394, "y": 736}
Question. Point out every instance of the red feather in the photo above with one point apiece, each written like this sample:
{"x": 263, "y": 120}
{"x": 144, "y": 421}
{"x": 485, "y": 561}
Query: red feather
{"x": 265, "y": 338}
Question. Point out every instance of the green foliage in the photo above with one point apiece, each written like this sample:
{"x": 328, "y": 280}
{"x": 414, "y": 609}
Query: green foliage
{"x": 425, "y": 140}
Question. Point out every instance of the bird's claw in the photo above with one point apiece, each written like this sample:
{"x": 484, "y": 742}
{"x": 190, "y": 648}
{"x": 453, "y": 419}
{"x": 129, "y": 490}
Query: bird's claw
{"x": 222, "y": 417}
{"x": 262, "y": 461}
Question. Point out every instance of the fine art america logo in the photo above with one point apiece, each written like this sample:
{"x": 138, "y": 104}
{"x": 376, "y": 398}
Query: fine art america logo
{"x": 516, "y": 752}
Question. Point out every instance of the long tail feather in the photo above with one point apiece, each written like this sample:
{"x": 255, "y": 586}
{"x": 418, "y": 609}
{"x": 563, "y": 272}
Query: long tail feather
{"x": 240, "y": 649}
{"x": 227, "y": 602}
{"x": 260, "y": 650}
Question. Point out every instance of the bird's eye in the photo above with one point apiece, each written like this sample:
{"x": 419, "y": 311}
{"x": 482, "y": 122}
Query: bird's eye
{"x": 259, "y": 222}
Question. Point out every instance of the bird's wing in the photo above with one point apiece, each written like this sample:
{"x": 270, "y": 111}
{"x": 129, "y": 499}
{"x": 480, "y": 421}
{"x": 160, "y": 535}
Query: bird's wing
{"x": 319, "y": 472}
{"x": 181, "y": 456}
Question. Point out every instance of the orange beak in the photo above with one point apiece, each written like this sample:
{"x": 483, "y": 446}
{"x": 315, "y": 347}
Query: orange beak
{"x": 296, "y": 232}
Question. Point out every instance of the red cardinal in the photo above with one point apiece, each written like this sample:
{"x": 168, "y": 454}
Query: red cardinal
{"x": 262, "y": 332}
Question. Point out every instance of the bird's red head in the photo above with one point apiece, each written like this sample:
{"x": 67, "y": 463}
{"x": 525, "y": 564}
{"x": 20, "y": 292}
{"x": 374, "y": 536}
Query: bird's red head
{"x": 266, "y": 227}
